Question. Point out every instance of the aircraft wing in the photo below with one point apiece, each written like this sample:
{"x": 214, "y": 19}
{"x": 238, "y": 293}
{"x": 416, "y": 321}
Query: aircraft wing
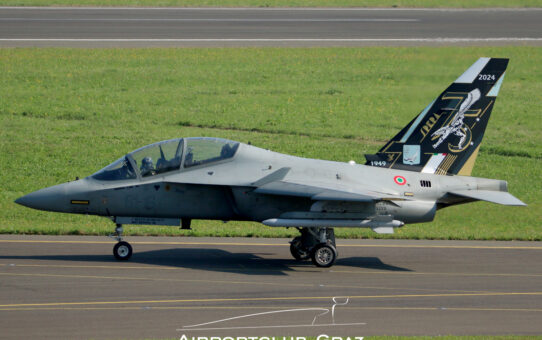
{"x": 275, "y": 184}
{"x": 499, "y": 197}
{"x": 319, "y": 193}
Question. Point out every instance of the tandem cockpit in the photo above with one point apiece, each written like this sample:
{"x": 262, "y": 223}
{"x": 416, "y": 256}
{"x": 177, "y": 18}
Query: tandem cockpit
{"x": 167, "y": 156}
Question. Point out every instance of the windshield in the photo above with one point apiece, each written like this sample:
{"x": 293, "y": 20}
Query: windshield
{"x": 159, "y": 157}
{"x": 118, "y": 170}
{"x": 206, "y": 150}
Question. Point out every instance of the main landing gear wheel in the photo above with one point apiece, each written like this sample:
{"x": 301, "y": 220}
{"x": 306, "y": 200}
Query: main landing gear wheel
{"x": 297, "y": 251}
{"x": 318, "y": 244}
{"x": 323, "y": 255}
{"x": 122, "y": 251}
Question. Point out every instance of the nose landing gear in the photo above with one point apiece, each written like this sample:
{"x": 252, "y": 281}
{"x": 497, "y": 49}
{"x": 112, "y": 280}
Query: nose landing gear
{"x": 318, "y": 244}
{"x": 122, "y": 250}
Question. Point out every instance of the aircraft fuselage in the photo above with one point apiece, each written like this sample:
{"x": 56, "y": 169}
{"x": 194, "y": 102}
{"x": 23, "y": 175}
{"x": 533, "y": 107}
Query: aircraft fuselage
{"x": 219, "y": 192}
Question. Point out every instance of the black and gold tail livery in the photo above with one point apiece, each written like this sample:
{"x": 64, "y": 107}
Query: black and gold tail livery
{"x": 445, "y": 137}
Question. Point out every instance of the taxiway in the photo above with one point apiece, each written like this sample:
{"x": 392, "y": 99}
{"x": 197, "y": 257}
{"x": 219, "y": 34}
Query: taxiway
{"x": 66, "y": 287}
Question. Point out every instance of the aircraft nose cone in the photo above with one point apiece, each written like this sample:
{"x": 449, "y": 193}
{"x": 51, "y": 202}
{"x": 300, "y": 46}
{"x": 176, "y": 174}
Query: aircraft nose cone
{"x": 55, "y": 198}
{"x": 25, "y": 201}
{"x": 50, "y": 199}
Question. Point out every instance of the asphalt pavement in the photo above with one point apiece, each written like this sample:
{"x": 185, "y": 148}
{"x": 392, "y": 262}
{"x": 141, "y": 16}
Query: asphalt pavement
{"x": 71, "y": 287}
{"x": 212, "y": 27}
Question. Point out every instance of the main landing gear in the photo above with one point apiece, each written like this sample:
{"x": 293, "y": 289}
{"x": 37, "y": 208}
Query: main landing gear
{"x": 122, "y": 250}
{"x": 318, "y": 244}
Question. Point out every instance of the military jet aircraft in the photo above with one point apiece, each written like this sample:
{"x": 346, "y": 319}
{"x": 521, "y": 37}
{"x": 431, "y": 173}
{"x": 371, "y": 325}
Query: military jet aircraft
{"x": 424, "y": 168}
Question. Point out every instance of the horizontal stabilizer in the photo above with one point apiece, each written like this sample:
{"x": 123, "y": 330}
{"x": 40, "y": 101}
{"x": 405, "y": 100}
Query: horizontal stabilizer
{"x": 499, "y": 197}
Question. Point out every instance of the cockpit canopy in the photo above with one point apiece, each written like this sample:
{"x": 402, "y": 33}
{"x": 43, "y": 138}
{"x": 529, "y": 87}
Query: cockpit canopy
{"x": 166, "y": 156}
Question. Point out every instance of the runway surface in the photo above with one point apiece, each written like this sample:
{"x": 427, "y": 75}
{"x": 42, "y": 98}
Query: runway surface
{"x": 71, "y": 287}
{"x": 148, "y": 27}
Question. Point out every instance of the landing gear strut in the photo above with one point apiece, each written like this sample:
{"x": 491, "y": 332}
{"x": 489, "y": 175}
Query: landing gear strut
{"x": 318, "y": 244}
{"x": 122, "y": 250}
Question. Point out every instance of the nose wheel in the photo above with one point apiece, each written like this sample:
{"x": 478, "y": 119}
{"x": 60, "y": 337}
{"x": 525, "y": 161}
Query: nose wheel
{"x": 122, "y": 250}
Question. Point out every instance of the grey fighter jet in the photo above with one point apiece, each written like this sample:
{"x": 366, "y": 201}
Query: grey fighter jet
{"x": 424, "y": 168}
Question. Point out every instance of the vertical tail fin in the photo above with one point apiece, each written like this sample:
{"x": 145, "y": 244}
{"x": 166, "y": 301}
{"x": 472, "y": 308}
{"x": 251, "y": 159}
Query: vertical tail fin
{"x": 445, "y": 137}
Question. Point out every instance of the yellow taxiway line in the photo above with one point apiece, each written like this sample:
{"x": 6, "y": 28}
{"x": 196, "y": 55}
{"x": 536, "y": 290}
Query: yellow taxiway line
{"x": 222, "y": 282}
{"x": 296, "y": 268}
{"x": 286, "y": 298}
{"x": 276, "y": 244}
{"x": 465, "y": 309}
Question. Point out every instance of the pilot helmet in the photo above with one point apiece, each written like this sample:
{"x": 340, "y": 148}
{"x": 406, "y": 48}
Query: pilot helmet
{"x": 146, "y": 163}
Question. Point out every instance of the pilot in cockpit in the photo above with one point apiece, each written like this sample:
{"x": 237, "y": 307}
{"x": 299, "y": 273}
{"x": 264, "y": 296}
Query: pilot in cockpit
{"x": 147, "y": 167}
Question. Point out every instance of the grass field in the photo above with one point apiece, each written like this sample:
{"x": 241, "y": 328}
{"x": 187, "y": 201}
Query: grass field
{"x": 281, "y": 3}
{"x": 69, "y": 112}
